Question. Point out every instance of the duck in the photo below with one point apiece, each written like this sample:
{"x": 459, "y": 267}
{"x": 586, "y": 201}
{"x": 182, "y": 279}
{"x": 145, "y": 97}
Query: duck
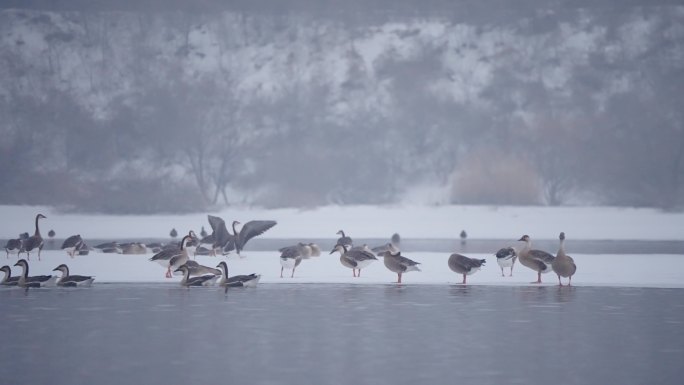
{"x": 461, "y": 264}
{"x": 202, "y": 280}
{"x": 35, "y": 241}
{"x": 68, "y": 280}
{"x": 537, "y": 260}
{"x": 354, "y": 258}
{"x": 72, "y": 244}
{"x": 463, "y": 235}
{"x": 250, "y": 280}
{"x": 173, "y": 233}
{"x": 35, "y": 281}
{"x": 397, "y": 263}
{"x": 13, "y": 246}
{"x": 8, "y": 280}
{"x": 506, "y": 257}
{"x": 291, "y": 257}
{"x": 563, "y": 265}
{"x": 173, "y": 258}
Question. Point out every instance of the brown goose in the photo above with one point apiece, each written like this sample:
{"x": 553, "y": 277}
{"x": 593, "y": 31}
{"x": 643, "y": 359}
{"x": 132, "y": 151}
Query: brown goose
{"x": 249, "y": 230}
{"x": 8, "y": 280}
{"x": 397, "y": 263}
{"x": 537, "y": 260}
{"x": 13, "y": 246}
{"x": 355, "y": 258}
{"x": 72, "y": 244}
{"x": 250, "y": 280}
{"x": 35, "y": 281}
{"x": 563, "y": 265}
{"x": 344, "y": 240}
{"x": 173, "y": 258}
{"x": 291, "y": 257}
{"x": 203, "y": 280}
{"x": 461, "y": 264}
{"x": 35, "y": 241}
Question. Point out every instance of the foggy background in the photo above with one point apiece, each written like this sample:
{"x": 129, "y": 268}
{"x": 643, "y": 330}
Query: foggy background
{"x": 160, "y": 106}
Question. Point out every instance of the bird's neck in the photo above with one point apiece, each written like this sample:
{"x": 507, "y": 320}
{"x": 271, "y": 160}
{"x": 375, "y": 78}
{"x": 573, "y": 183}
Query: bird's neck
{"x": 37, "y": 232}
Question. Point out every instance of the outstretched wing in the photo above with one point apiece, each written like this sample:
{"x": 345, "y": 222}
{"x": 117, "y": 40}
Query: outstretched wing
{"x": 251, "y": 229}
{"x": 220, "y": 232}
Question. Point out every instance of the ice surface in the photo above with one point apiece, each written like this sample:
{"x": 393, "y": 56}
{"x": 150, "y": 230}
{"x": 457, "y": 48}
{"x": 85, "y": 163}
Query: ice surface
{"x": 651, "y": 270}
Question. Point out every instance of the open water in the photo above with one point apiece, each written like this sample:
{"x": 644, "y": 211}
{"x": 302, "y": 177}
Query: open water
{"x": 341, "y": 334}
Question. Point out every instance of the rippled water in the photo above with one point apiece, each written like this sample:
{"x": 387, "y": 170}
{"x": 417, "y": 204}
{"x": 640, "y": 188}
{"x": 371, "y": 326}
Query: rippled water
{"x": 342, "y": 334}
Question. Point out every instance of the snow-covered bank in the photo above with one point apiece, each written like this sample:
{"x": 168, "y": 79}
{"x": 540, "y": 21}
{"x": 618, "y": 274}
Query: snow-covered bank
{"x": 373, "y": 221}
{"x": 592, "y": 270}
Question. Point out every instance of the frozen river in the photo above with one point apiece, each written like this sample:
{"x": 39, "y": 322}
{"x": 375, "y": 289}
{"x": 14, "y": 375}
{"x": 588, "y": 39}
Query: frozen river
{"x": 317, "y": 333}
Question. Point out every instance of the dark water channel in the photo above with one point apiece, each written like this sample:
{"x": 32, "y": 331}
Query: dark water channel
{"x": 342, "y": 334}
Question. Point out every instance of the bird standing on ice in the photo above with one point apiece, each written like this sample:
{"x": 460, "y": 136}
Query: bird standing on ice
{"x": 173, "y": 258}
{"x": 564, "y": 266}
{"x": 506, "y": 257}
{"x": 463, "y": 265}
{"x": 537, "y": 260}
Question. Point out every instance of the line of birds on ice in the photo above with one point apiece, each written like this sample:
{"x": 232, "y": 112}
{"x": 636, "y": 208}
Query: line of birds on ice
{"x": 175, "y": 257}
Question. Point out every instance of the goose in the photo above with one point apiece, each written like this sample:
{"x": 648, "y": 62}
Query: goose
{"x": 537, "y": 260}
{"x": 238, "y": 280}
{"x": 72, "y": 244}
{"x": 154, "y": 247}
{"x": 203, "y": 280}
{"x": 344, "y": 240}
{"x": 83, "y": 249}
{"x": 461, "y": 264}
{"x": 219, "y": 236}
{"x": 397, "y": 263}
{"x": 13, "y": 246}
{"x": 195, "y": 269}
{"x": 291, "y": 257}
{"x": 563, "y": 265}
{"x": 35, "y": 281}
{"x": 395, "y": 241}
{"x": 136, "y": 248}
{"x": 207, "y": 246}
{"x": 203, "y": 232}
{"x": 249, "y": 230}
{"x": 355, "y": 259}
{"x": 193, "y": 244}
{"x": 8, "y": 280}
{"x": 109, "y": 247}
{"x": 315, "y": 250}
{"x": 68, "y": 280}
{"x": 173, "y": 258}
{"x": 506, "y": 257}
{"x": 35, "y": 241}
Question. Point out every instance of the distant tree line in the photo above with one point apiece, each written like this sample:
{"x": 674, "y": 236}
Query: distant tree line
{"x": 155, "y": 110}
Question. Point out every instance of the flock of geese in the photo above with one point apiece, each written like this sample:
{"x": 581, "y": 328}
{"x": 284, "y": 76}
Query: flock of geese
{"x": 175, "y": 257}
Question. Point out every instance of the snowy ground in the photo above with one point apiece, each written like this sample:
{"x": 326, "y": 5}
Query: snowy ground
{"x": 589, "y": 223}
{"x": 651, "y": 270}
